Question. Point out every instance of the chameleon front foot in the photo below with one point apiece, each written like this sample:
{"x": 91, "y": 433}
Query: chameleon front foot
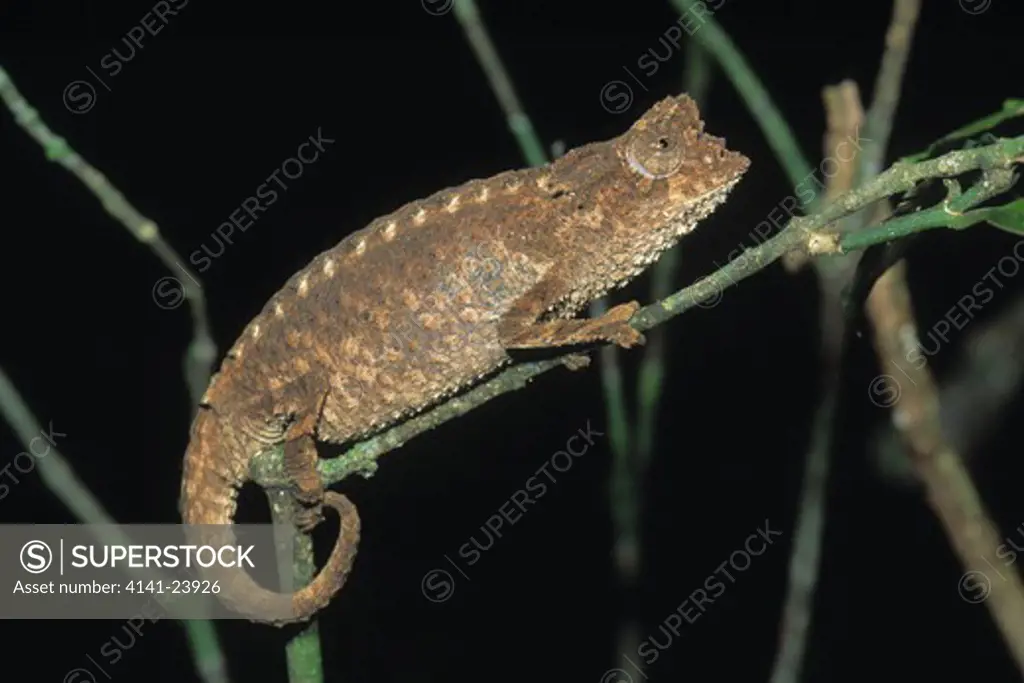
{"x": 613, "y": 327}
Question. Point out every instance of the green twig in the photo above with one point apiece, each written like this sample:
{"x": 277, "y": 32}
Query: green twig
{"x": 1011, "y": 109}
{"x": 533, "y": 151}
{"x": 843, "y": 107}
{"x": 518, "y": 122}
{"x": 268, "y": 469}
{"x": 834, "y": 275}
{"x": 953, "y": 213}
{"x": 60, "y": 478}
{"x": 760, "y": 104}
{"x": 888, "y": 85}
{"x": 622, "y": 493}
{"x": 295, "y": 560}
{"x": 621, "y": 481}
{"x": 202, "y": 351}
{"x": 632, "y": 455}
{"x": 199, "y": 357}
{"x": 619, "y": 435}
{"x": 697, "y": 80}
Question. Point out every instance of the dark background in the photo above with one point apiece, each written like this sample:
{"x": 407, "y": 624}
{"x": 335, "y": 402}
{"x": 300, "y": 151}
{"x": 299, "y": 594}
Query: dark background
{"x": 207, "y": 109}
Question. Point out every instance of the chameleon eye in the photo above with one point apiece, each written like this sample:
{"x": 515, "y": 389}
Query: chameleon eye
{"x": 654, "y": 155}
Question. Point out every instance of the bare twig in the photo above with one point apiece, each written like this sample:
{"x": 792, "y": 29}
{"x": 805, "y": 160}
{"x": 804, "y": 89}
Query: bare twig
{"x": 623, "y": 484}
{"x": 717, "y": 42}
{"x": 951, "y": 493}
{"x": 58, "y": 476}
{"x": 663, "y": 275}
{"x": 916, "y": 415}
{"x": 201, "y": 351}
{"x": 55, "y": 470}
{"x": 988, "y": 375}
{"x": 888, "y": 85}
{"x": 497, "y": 75}
{"x": 950, "y": 214}
{"x": 845, "y": 115}
{"x": 295, "y": 560}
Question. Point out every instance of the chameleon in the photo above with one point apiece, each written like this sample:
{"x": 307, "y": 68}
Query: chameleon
{"x": 434, "y": 298}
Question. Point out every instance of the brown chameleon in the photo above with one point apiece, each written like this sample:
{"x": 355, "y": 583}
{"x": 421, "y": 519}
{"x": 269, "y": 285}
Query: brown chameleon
{"x": 430, "y": 299}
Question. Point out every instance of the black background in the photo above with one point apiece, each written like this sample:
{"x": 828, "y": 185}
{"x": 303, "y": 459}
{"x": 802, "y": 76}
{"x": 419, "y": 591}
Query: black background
{"x": 215, "y": 102}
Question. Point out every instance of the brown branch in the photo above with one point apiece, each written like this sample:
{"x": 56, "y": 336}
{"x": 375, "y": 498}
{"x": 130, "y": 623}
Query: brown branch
{"x": 888, "y": 85}
{"x": 949, "y": 488}
{"x": 844, "y": 115}
{"x": 974, "y": 395}
{"x": 168, "y": 292}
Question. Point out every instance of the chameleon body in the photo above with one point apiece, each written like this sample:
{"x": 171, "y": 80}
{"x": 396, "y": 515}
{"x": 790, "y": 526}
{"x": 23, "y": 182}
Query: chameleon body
{"x": 429, "y": 300}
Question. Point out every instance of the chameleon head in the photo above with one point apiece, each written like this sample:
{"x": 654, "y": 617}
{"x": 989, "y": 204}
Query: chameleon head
{"x": 677, "y": 173}
{"x": 642, "y": 190}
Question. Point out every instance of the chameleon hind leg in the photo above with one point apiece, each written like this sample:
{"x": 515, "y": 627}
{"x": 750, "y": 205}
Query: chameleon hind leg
{"x": 300, "y": 459}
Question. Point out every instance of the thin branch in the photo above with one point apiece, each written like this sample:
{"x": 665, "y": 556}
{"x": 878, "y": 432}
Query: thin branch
{"x": 632, "y": 456}
{"x": 60, "y": 478}
{"x": 801, "y": 232}
{"x": 202, "y": 351}
{"x": 623, "y": 483}
{"x": 518, "y": 122}
{"x": 55, "y": 470}
{"x": 1011, "y": 109}
{"x": 888, "y": 85}
{"x": 987, "y": 376}
{"x": 759, "y": 102}
{"x": 844, "y": 115}
{"x": 620, "y": 433}
{"x": 533, "y": 151}
{"x": 951, "y": 493}
{"x": 295, "y": 559}
{"x": 697, "y": 80}
{"x": 950, "y": 214}
{"x": 809, "y": 232}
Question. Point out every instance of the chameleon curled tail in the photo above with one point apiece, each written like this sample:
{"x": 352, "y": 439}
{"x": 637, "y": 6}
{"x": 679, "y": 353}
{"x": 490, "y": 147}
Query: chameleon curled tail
{"x": 208, "y": 497}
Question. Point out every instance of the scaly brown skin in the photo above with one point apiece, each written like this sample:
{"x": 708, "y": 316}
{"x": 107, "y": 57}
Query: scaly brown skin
{"x": 429, "y": 300}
